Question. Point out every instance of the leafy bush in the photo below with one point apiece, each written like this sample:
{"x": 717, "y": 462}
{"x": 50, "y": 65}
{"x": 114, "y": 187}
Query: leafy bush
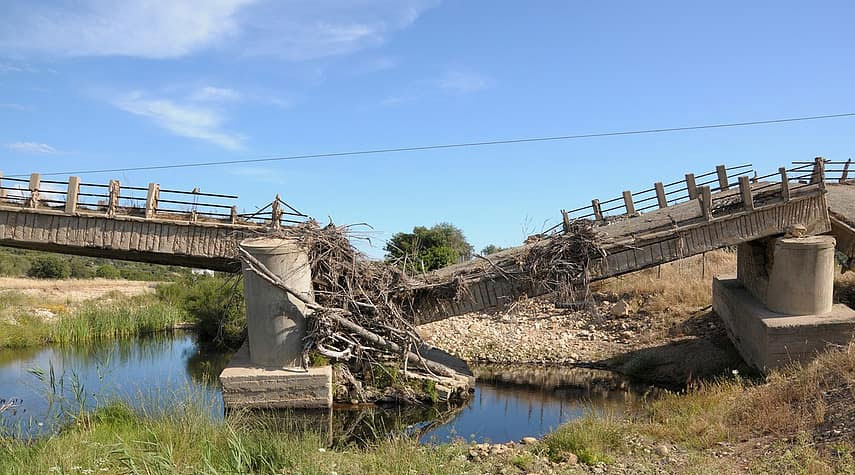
{"x": 107, "y": 271}
{"x": 49, "y": 267}
{"x": 428, "y": 248}
{"x": 80, "y": 269}
{"x": 214, "y": 303}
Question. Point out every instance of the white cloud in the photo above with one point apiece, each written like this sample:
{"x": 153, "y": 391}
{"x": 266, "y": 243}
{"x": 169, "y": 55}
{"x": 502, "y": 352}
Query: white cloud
{"x": 14, "y": 106}
{"x": 144, "y": 28}
{"x": 32, "y": 147}
{"x": 461, "y": 82}
{"x": 289, "y": 29}
{"x": 186, "y": 120}
{"x": 216, "y": 94}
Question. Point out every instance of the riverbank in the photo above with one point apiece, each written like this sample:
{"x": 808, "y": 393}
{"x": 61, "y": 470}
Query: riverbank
{"x": 801, "y": 420}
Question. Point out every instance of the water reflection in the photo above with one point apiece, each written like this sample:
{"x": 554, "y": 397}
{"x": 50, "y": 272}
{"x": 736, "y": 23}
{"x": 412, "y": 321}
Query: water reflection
{"x": 157, "y": 370}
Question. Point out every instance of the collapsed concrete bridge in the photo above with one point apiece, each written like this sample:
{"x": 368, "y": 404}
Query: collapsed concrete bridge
{"x": 637, "y": 230}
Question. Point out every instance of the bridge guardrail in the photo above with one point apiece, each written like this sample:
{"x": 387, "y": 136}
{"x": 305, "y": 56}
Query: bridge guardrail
{"x": 152, "y": 202}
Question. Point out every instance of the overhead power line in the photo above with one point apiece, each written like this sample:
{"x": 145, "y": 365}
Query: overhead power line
{"x": 451, "y": 145}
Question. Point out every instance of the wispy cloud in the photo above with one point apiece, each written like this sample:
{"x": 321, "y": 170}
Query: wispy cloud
{"x": 451, "y": 82}
{"x": 461, "y": 82}
{"x": 187, "y": 120}
{"x": 14, "y": 106}
{"x": 216, "y": 94}
{"x": 169, "y": 29}
{"x": 32, "y": 147}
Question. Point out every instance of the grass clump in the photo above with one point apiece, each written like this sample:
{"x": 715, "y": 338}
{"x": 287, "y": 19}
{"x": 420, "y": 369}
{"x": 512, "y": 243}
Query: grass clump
{"x": 214, "y": 303}
{"x": 186, "y": 439}
{"x": 591, "y": 439}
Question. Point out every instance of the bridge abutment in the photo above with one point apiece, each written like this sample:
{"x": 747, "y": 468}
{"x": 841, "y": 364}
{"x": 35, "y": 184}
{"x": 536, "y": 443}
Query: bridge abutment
{"x": 266, "y": 372}
{"x": 779, "y": 306}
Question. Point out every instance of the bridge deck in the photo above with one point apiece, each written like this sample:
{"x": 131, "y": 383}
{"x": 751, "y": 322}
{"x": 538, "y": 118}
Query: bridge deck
{"x": 640, "y": 242}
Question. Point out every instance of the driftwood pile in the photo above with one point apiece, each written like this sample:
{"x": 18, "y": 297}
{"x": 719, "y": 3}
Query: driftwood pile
{"x": 363, "y": 310}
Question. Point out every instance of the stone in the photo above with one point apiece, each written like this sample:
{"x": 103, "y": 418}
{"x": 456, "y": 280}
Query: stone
{"x": 571, "y": 459}
{"x": 662, "y": 450}
{"x": 529, "y": 440}
{"x": 620, "y": 309}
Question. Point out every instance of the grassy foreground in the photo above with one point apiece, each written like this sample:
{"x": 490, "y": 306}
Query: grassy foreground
{"x": 786, "y": 424}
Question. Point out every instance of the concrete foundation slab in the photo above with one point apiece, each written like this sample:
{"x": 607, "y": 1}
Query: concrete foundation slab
{"x": 767, "y": 339}
{"x": 248, "y": 385}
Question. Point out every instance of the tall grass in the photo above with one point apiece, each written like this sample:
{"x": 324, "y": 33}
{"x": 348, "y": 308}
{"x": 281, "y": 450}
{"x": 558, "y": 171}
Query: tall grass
{"x": 119, "y": 439}
{"x": 92, "y": 321}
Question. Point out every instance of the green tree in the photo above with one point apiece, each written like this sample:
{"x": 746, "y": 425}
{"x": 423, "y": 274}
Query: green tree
{"x": 428, "y": 248}
{"x": 81, "y": 269}
{"x": 491, "y": 249}
{"x": 49, "y": 267}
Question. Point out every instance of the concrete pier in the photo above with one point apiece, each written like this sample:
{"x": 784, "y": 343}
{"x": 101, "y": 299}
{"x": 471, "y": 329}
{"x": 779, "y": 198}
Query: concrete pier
{"x": 778, "y": 308}
{"x": 266, "y": 372}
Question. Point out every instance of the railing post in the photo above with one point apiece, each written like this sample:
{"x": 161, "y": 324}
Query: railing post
{"x": 276, "y": 214}
{"x": 691, "y": 186}
{"x": 113, "y": 197}
{"x": 745, "y": 190}
{"x": 628, "y": 203}
{"x": 151, "y": 200}
{"x": 234, "y": 215}
{"x": 660, "y": 194}
{"x": 565, "y": 219}
{"x": 2, "y": 190}
{"x": 71, "y": 195}
{"x": 598, "y": 213}
{"x": 843, "y": 176}
{"x": 785, "y": 184}
{"x": 818, "y": 174}
{"x": 721, "y": 171}
{"x": 705, "y": 202}
{"x": 35, "y": 182}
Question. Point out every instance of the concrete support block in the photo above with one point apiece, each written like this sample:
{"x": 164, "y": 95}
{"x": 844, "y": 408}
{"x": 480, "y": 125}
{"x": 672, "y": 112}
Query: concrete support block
{"x": 768, "y": 339}
{"x": 248, "y": 385}
{"x": 276, "y": 321}
{"x": 802, "y": 278}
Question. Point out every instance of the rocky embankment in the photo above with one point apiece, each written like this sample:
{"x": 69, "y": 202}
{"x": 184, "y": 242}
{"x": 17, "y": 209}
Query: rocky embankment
{"x": 537, "y": 331}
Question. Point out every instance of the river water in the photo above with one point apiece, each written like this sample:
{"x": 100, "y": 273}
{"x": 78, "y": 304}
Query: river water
{"x": 153, "y": 372}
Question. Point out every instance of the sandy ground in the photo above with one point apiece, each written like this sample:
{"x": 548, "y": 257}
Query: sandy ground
{"x": 73, "y": 290}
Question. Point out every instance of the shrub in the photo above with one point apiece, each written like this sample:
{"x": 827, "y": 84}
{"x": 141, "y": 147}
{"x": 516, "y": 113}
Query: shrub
{"x": 107, "y": 271}
{"x": 215, "y": 304}
{"x": 49, "y": 267}
{"x": 80, "y": 269}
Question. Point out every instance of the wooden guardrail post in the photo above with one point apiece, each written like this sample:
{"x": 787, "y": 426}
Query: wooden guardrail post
{"x": 691, "y": 186}
{"x": 276, "y": 213}
{"x": 817, "y": 176}
{"x": 598, "y": 212}
{"x": 745, "y": 191}
{"x": 785, "y": 184}
{"x": 721, "y": 171}
{"x": 113, "y": 197}
{"x": 705, "y": 202}
{"x": 628, "y": 203}
{"x": 151, "y": 200}
{"x": 843, "y": 176}
{"x": 35, "y": 182}
{"x": 71, "y": 195}
{"x": 660, "y": 194}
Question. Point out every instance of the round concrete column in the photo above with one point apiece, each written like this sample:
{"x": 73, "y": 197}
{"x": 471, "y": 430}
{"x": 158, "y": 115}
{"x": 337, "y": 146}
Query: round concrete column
{"x": 802, "y": 277}
{"x": 276, "y": 321}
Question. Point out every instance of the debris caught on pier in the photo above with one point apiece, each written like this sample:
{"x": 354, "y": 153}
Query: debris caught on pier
{"x": 364, "y": 310}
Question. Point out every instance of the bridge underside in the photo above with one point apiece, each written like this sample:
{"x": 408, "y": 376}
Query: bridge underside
{"x": 634, "y": 244}
{"x": 200, "y": 245}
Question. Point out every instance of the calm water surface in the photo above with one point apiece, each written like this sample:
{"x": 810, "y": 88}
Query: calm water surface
{"x": 152, "y": 372}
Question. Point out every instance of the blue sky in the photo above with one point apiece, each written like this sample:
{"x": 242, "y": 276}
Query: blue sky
{"x": 93, "y": 84}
